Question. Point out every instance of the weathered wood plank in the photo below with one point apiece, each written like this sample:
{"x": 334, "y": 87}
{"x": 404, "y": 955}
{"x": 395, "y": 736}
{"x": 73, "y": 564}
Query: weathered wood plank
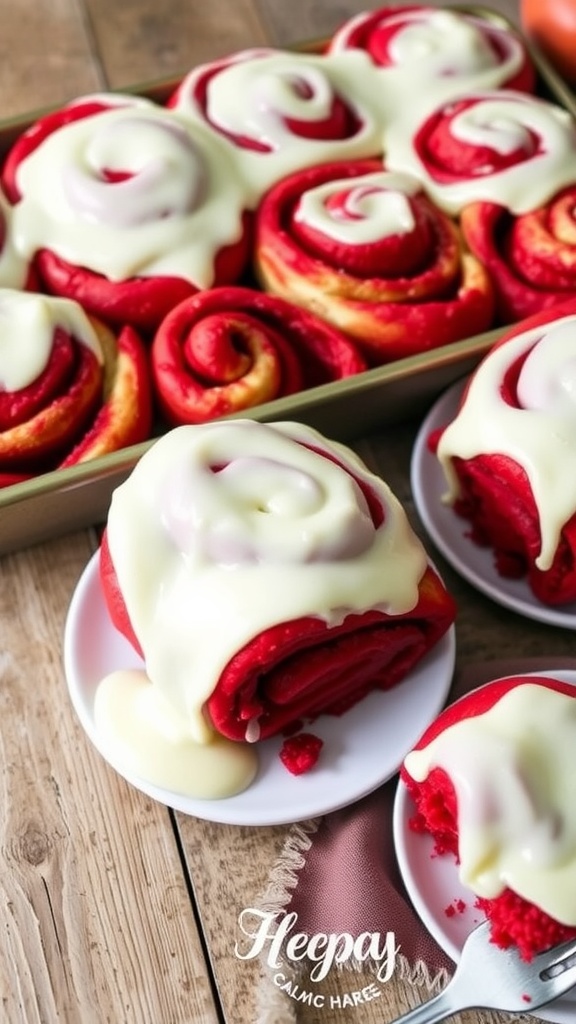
{"x": 97, "y": 923}
{"x": 45, "y": 56}
{"x": 139, "y": 39}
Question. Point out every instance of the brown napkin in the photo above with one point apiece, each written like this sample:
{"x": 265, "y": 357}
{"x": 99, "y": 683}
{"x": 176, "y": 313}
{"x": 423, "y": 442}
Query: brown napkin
{"x": 350, "y": 883}
{"x": 339, "y": 873}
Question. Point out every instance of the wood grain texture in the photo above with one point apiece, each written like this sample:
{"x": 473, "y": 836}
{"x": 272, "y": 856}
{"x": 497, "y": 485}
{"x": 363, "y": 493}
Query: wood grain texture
{"x": 97, "y": 921}
{"x": 46, "y": 55}
{"x": 140, "y": 39}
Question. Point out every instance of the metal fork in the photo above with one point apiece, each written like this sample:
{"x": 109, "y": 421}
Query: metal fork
{"x": 490, "y": 978}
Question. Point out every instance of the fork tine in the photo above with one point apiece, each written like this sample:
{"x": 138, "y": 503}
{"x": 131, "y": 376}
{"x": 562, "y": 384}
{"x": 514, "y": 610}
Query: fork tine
{"x": 554, "y": 956}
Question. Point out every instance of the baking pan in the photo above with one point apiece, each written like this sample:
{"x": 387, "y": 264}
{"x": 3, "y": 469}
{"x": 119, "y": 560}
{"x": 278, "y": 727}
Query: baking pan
{"x": 56, "y": 503}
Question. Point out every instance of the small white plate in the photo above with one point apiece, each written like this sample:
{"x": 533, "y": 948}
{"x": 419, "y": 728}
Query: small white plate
{"x": 362, "y": 748}
{"x": 434, "y": 888}
{"x": 450, "y": 531}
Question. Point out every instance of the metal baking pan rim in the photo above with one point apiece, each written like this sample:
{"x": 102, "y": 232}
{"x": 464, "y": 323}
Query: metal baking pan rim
{"x": 343, "y": 392}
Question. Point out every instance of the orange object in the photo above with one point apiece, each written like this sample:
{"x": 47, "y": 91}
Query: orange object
{"x": 552, "y": 26}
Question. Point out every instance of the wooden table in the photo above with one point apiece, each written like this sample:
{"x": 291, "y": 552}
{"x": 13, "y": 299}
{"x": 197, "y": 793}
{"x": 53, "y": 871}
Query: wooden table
{"x": 114, "y": 908}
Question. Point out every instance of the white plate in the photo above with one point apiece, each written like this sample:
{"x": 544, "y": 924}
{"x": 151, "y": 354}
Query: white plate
{"x": 449, "y": 531}
{"x": 433, "y": 885}
{"x": 362, "y": 748}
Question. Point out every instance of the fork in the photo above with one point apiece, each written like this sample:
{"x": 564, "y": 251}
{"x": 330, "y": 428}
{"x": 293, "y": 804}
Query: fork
{"x": 491, "y": 978}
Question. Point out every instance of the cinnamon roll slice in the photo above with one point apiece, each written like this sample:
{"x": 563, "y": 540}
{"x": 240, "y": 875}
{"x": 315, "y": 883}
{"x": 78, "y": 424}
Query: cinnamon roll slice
{"x": 266, "y": 577}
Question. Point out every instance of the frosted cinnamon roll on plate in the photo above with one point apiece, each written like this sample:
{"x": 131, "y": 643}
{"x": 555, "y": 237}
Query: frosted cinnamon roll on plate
{"x": 484, "y": 817}
{"x": 493, "y": 469}
{"x": 269, "y": 585}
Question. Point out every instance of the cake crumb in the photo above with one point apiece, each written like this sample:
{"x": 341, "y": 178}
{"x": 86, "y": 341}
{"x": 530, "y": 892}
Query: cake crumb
{"x": 301, "y": 752}
{"x": 458, "y": 906}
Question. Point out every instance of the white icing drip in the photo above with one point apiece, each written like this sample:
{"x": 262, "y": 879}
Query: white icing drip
{"x": 513, "y": 769}
{"x": 376, "y": 206}
{"x": 257, "y": 90}
{"x": 253, "y": 731}
{"x": 145, "y": 738}
{"x": 501, "y": 120}
{"x": 284, "y": 553}
{"x": 27, "y": 325}
{"x": 13, "y": 267}
{"x": 540, "y": 437}
{"x": 172, "y": 217}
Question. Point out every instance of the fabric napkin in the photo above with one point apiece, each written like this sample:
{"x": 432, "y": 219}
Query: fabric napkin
{"x": 339, "y": 873}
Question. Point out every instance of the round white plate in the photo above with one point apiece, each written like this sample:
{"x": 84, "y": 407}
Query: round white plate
{"x": 433, "y": 885}
{"x": 362, "y": 748}
{"x": 449, "y": 531}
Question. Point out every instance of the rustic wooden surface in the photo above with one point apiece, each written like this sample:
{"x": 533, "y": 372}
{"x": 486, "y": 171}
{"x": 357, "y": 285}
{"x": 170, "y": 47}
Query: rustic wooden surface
{"x": 113, "y": 908}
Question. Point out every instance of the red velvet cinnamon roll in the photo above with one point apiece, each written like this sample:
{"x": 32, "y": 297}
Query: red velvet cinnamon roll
{"x": 368, "y": 251}
{"x": 509, "y": 455}
{"x": 228, "y": 349}
{"x": 531, "y": 256}
{"x": 126, "y": 208}
{"x": 266, "y": 577}
{"x": 451, "y": 49}
{"x": 283, "y": 111}
{"x": 71, "y": 388}
{"x": 492, "y": 782}
{"x": 501, "y": 146}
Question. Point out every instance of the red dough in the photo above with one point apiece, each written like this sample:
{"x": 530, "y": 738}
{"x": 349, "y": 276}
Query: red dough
{"x": 300, "y": 753}
{"x": 340, "y": 121}
{"x": 514, "y": 921}
{"x": 531, "y": 257}
{"x": 396, "y": 296}
{"x": 294, "y": 671}
{"x": 77, "y": 408}
{"x": 301, "y": 669}
{"x": 497, "y": 499}
{"x": 228, "y": 349}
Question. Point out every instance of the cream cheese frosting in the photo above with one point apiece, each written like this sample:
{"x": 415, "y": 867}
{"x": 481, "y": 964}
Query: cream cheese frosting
{"x": 132, "y": 190}
{"x": 13, "y": 265}
{"x": 245, "y": 524}
{"x": 432, "y": 44}
{"x": 374, "y": 206}
{"x": 540, "y": 434}
{"x": 505, "y": 121}
{"x": 28, "y": 322}
{"x": 266, "y": 96}
{"x": 513, "y": 769}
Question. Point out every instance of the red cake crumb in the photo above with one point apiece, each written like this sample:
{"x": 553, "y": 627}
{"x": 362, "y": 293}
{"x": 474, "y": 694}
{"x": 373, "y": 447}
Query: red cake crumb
{"x": 457, "y": 906}
{"x": 300, "y": 753}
